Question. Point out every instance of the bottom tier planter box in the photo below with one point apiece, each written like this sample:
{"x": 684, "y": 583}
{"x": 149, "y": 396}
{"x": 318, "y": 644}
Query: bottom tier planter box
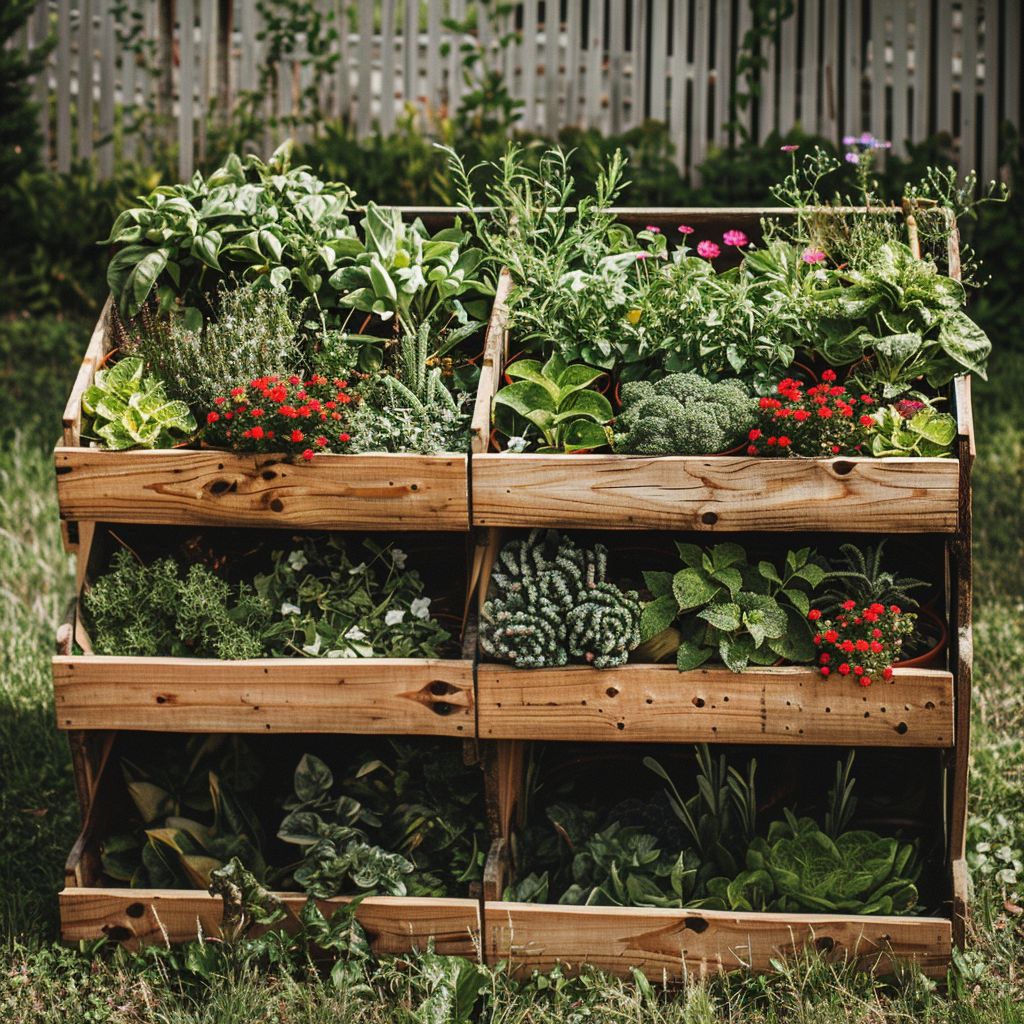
{"x": 676, "y": 944}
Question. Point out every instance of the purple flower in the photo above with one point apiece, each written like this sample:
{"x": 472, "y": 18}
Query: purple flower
{"x": 849, "y": 140}
{"x": 789, "y": 149}
{"x": 852, "y": 158}
{"x": 708, "y": 250}
{"x": 867, "y": 139}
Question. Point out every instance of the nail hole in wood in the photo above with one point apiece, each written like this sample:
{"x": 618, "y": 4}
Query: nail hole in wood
{"x": 269, "y": 474}
{"x": 901, "y": 728}
{"x": 698, "y": 702}
{"x": 414, "y": 487}
{"x": 842, "y": 468}
{"x": 135, "y": 909}
{"x": 696, "y": 924}
{"x": 825, "y": 944}
{"x": 439, "y": 688}
{"x": 612, "y": 692}
{"x": 929, "y": 705}
{"x": 828, "y": 711}
{"x": 441, "y": 709}
{"x": 620, "y": 725}
{"x": 219, "y": 486}
{"x": 161, "y": 699}
{"x": 277, "y": 505}
{"x": 709, "y": 518}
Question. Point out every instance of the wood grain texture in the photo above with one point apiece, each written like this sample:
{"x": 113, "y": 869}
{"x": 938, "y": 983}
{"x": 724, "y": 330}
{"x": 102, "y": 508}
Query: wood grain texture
{"x": 387, "y": 695}
{"x": 723, "y": 493}
{"x": 136, "y": 917}
{"x": 658, "y": 704}
{"x": 676, "y": 944}
{"x": 218, "y": 488}
{"x": 94, "y": 352}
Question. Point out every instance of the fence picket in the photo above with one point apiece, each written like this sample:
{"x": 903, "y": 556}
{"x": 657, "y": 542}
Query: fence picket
{"x": 920, "y": 65}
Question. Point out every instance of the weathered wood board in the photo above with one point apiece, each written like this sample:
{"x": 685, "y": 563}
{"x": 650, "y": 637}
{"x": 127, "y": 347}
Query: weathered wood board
{"x": 136, "y": 917}
{"x": 658, "y": 704}
{"x": 715, "y": 493}
{"x": 217, "y": 488}
{"x": 679, "y": 944}
{"x": 421, "y": 697}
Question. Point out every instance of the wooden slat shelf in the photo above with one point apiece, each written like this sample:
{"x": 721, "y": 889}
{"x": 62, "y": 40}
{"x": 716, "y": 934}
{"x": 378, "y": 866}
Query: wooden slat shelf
{"x": 678, "y": 944}
{"x": 218, "y": 488}
{"x": 420, "y": 697}
{"x": 658, "y": 704}
{"x": 716, "y": 493}
{"x": 136, "y": 917}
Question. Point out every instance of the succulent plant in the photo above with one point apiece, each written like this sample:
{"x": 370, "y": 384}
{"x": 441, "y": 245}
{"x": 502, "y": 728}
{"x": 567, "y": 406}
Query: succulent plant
{"x": 550, "y": 600}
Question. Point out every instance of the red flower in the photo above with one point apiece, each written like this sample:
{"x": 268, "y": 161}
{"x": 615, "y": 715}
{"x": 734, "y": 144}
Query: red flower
{"x": 344, "y": 437}
{"x": 829, "y": 375}
{"x": 849, "y": 605}
{"x": 866, "y": 421}
{"x": 308, "y": 454}
{"x": 296, "y": 436}
{"x": 824, "y": 670}
{"x": 219, "y": 401}
{"x": 320, "y": 442}
{"x": 754, "y": 434}
{"x": 784, "y": 441}
{"x": 814, "y": 614}
{"x": 212, "y": 417}
{"x": 256, "y": 433}
{"x": 236, "y": 392}
{"x": 844, "y": 669}
{"x": 831, "y": 636}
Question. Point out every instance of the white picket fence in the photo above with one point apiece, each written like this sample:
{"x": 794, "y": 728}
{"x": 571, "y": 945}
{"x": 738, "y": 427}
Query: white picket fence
{"x": 902, "y": 69}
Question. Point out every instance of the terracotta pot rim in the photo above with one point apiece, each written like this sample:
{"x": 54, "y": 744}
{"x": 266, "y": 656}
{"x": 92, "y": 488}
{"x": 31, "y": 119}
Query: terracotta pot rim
{"x": 929, "y": 657}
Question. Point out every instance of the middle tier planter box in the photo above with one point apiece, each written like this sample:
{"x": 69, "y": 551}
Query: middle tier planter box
{"x": 403, "y": 696}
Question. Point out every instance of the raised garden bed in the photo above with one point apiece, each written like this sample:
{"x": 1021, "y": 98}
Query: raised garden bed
{"x": 411, "y": 696}
{"x": 721, "y": 493}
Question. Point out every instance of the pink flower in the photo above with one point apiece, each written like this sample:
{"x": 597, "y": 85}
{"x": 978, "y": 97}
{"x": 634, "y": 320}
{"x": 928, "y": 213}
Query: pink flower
{"x": 685, "y": 229}
{"x": 789, "y": 149}
{"x": 653, "y": 228}
{"x": 852, "y": 158}
{"x": 812, "y": 255}
{"x": 908, "y": 407}
{"x": 734, "y": 237}
{"x": 643, "y": 255}
{"x": 708, "y": 250}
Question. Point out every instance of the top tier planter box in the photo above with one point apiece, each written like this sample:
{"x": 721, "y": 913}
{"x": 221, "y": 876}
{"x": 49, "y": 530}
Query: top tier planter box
{"x": 214, "y": 487}
{"x": 715, "y": 493}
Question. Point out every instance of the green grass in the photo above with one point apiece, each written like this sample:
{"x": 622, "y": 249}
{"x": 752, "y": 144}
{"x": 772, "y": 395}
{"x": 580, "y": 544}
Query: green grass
{"x": 40, "y": 981}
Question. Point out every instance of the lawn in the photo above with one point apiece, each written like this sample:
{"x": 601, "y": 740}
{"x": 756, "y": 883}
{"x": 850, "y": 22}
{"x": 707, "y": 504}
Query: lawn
{"x": 40, "y": 981}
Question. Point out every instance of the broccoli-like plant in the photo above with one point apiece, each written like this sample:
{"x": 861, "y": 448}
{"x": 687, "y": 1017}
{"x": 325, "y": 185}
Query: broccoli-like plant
{"x": 683, "y": 414}
{"x": 550, "y": 600}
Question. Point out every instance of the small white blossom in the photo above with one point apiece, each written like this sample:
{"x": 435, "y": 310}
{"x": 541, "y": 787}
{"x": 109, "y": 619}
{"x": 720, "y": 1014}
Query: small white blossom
{"x": 399, "y": 557}
{"x": 355, "y": 633}
{"x": 356, "y": 569}
{"x": 517, "y": 444}
{"x": 420, "y": 607}
{"x": 394, "y": 616}
{"x": 290, "y": 609}
{"x": 297, "y": 560}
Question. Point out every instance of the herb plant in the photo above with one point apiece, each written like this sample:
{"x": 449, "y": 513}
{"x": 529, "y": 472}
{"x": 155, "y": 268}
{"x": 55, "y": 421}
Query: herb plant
{"x": 911, "y": 428}
{"x": 125, "y": 408}
{"x": 725, "y": 607}
{"x": 682, "y": 414}
{"x": 555, "y": 400}
{"x": 858, "y": 575}
{"x": 549, "y": 600}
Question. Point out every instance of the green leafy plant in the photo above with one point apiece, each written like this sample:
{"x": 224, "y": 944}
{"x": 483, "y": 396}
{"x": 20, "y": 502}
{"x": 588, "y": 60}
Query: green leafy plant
{"x": 556, "y": 400}
{"x": 144, "y": 610}
{"x": 124, "y": 408}
{"x": 904, "y": 318}
{"x": 682, "y": 414}
{"x": 549, "y": 600}
{"x": 858, "y": 575}
{"x": 911, "y": 428}
{"x": 247, "y": 902}
{"x": 400, "y": 271}
{"x": 728, "y": 608}
{"x": 266, "y": 224}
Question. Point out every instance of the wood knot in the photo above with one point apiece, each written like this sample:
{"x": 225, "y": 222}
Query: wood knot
{"x": 709, "y": 518}
{"x": 277, "y": 505}
{"x": 842, "y": 468}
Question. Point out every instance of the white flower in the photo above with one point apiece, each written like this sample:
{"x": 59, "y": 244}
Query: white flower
{"x": 297, "y": 560}
{"x": 355, "y": 633}
{"x": 394, "y": 616}
{"x": 313, "y": 649}
{"x": 420, "y": 607}
{"x": 290, "y": 609}
{"x": 517, "y": 444}
{"x": 361, "y": 567}
{"x": 399, "y": 557}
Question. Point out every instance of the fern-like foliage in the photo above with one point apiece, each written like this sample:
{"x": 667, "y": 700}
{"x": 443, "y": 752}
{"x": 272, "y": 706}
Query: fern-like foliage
{"x": 550, "y": 600}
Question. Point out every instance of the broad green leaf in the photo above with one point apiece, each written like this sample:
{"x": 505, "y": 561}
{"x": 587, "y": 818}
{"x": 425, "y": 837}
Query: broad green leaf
{"x": 659, "y": 583}
{"x": 966, "y": 343}
{"x": 722, "y": 616}
{"x": 657, "y": 616}
{"x": 692, "y": 589}
{"x": 691, "y": 656}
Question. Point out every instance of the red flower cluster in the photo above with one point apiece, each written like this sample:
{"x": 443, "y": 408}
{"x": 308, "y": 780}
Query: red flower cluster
{"x": 823, "y": 420}
{"x": 862, "y": 643}
{"x": 282, "y": 414}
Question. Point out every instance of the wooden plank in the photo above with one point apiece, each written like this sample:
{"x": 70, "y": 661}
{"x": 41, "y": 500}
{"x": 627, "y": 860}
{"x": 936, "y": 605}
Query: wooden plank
{"x": 638, "y": 64}
{"x": 659, "y": 61}
{"x": 787, "y": 70}
{"x": 220, "y": 488}
{"x": 364, "y": 90}
{"x": 900, "y": 92}
{"x": 94, "y": 352}
{"x": 766, "y": 79}
{"x": 659, "y": 704}
{"x": 186, "y": 88}
{"x": 679, "y": 944}
{"x": 108, "y": 73}
{"x": 411, "y": 51}
{"x": 617, "y": 14}
{"x": 1011, "y": 33}
{"x": 880, "y": 10}
{"x": 137, "y": 917}
{"x": 988, "y": 169}
{"x": 528, "y": 65}
{"x": 62, "y": 64}
{"x": 811, "y": 69}
{"x": 680, "y": 73}
{"x": 701, "y": 74}
{"x": 967, "y": 130}
{"x": 553, "y": 84}
{"x": 402, "y": 696}
{"x": 922, "y": 68}
{"x": 456, "y": 10}
{"x": 86, "y": 54}
{"x": 828, "y": 112}
{"x": 593, "y": 78}
{"x": 388, "y": 15}
{"x": 434, "y": 56}
{"x": 573, "y": 40}
{"x": 852, "y": 69}
{"x": 717, "y": 493}
{"x": 944, "y": 71}
{"x": 490, "y": 370}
